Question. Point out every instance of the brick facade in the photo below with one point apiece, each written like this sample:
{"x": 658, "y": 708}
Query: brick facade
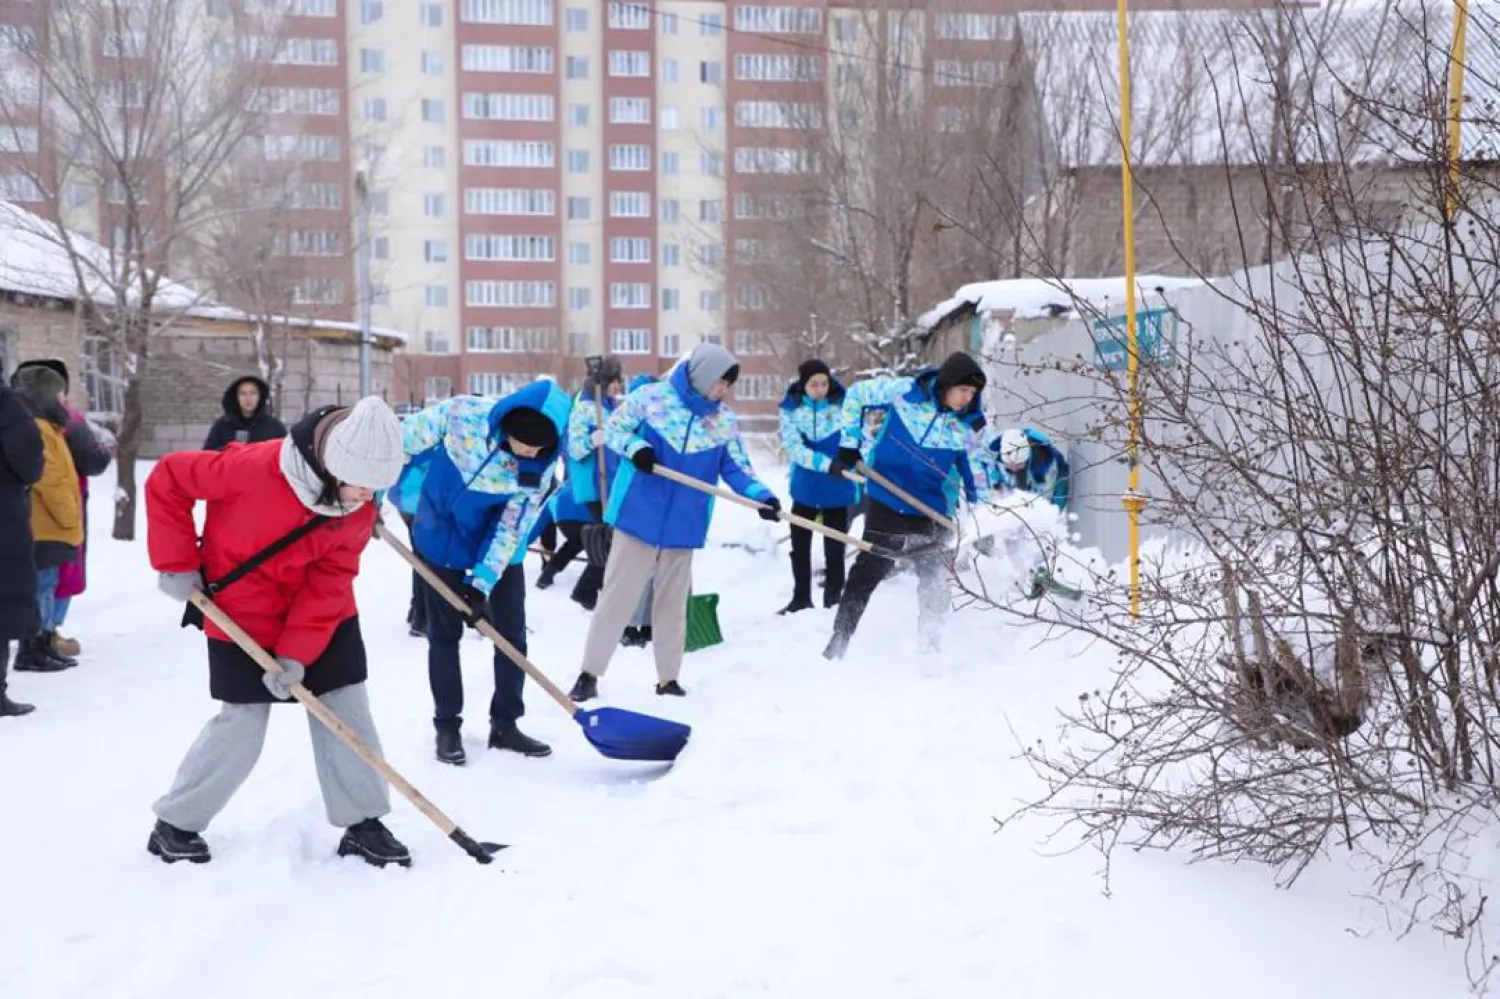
{"x": 32, "y": 328}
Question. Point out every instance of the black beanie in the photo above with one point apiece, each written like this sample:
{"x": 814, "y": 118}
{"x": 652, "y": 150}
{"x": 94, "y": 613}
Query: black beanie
{"x": 530, "y": 427}
{"x": 810, "y": 367}
{"x": 960, "y": 369}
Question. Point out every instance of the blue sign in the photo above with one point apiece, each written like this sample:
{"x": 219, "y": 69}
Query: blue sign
{"x": 1156, "y": 339}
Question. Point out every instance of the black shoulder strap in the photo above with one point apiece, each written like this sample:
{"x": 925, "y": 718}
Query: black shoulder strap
{"x": 265, "y": 554}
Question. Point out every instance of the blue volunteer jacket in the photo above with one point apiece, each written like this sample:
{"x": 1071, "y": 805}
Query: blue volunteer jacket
{"x": 919, "y": 445}
{"x": 810, "y": 432}
{"x": 690, "y": 434}
{"x": 583, "y": 457}
{"x": 1046, "y": 458}
{"x": 475, "y": 502}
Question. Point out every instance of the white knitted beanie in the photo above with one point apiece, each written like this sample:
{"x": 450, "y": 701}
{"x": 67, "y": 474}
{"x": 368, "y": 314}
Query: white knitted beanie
{"x": 364, "y": 449}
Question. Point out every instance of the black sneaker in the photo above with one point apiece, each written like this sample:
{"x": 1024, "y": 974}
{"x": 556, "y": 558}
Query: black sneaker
{"x": 585, "y": 688}
{"x": 505, "y": 735}
{"x": 450, "y": 747}
{"x": 544, "y": 581}
{"x": 632, "y": 639}
{"x": 172, "y": 844}
{"x": 36, "y": 656}
{"x": 645, "y": 633}
{"x": 797, "y": 604}
{"x": 670, "y": 689}
{"x": 373, "y": 843}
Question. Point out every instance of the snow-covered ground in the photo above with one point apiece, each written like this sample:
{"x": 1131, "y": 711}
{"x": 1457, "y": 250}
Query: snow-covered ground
{"x": 827, "y": 833}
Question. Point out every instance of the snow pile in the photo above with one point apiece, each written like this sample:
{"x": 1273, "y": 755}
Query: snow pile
{"x": 827, "y": 832}
{"x": 1041, "y": 298}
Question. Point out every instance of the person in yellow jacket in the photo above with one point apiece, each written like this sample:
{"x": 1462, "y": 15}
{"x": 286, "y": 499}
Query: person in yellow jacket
{"x": 56, "y": 513}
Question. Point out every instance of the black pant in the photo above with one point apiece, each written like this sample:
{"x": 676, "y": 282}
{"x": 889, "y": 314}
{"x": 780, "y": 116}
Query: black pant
{"x": 592, "y": 578}
{"x": 836, "y": 518}
{"x": 445, "y": 629}
{"x": 888, "y": 529}
{"x": 416, "y": 614}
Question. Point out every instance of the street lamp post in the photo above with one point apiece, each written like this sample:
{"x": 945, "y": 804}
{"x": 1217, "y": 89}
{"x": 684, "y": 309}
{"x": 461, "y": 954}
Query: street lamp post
{"x": 362, "y": 276}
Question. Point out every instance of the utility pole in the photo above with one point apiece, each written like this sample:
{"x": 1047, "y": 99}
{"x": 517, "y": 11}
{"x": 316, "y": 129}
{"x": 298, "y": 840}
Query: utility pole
{"x": 362, "y": 276}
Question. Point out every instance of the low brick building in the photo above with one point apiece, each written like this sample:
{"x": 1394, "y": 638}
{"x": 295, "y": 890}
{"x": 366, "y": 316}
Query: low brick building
{"x": 196, "y": 351}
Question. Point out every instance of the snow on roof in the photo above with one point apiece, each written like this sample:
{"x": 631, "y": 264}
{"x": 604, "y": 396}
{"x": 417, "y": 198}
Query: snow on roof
{"x": 1039, "y": 298}
{"x": 34, "y": 260}
{"x": 1361, "y": 82}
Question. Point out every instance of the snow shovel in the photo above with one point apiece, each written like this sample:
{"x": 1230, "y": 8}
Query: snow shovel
{"x": 859, "y": 544}
{"x": 703, "y": 622}
{"x": 984, "y": 545}
{"x": 616, "y": 733}
{"x": 480, "y": 851}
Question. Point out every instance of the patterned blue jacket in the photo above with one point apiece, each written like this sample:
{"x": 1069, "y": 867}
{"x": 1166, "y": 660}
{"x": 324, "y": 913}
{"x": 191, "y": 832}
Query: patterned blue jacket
{"x": 810, "y": 432}
{"x": 583, "y": 456}
{"x": 920, "y": 446}
{"x": 690, "y": 434}
{"x": 1046, "y": 459}
{"x": 475, "y": 502}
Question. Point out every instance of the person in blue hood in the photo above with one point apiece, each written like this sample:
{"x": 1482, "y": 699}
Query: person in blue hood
{"x": 1026, "y": 459}
{"x": 580, "y": 503}
{"x": 928, "y": 447}
{"x": 811, "y": 425}
{"x": 477, "y": 477}
{"x": 681, "y": 424}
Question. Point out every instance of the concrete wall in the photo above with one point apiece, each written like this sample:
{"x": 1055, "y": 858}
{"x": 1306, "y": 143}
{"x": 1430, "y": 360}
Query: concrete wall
{"x": 41, "y": 330}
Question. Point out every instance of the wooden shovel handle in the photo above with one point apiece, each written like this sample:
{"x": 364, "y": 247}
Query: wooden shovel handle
{"x": 358, "y": 746}
{"x": 906, "y": 497}
{"x": 790, "y": 518}
{"x": 483, "y": 627}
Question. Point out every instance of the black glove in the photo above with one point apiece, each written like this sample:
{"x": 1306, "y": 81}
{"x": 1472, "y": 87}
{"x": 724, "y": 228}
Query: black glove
{"x": 479, "y": 606}
{"x": 644, "y": 459}
{"x": 850, "y": 457}
{"x": 770, "y": 509}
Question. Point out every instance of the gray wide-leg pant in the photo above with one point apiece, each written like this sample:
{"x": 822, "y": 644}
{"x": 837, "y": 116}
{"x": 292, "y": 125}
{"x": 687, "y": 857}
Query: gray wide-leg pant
{"x": 626, "y": 576}
{"x": 227, "y": 749}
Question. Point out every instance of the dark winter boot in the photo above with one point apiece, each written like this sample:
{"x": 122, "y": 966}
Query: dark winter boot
{"x": 644, "y": 631}
{"x": 450, "y": 746}
{"x": 585, "y": 599}
{"x": 172, "y": 844}
{"x": 544, "y": 580}
{"x": 8, "y": 707}
{"x": 801, "y": 582}
{"x": 505, "y": 735}
{"x": 35, "y": 655}
{"x": 670, "y": 689}
{"x": 631, "y": 638}
{"x": 585, "y": 688}
{"x": 373, "y": 843}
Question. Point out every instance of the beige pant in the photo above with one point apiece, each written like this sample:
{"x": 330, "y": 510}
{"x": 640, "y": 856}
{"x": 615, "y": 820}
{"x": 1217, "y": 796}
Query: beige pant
{"x": 631, "y": 565}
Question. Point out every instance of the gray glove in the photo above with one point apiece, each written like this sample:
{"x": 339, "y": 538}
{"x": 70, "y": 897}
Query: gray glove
{"x": 280, "y": 684}
{"x": 179, "y": 585}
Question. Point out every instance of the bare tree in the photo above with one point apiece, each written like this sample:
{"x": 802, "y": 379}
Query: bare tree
{"x": 1314, "y": 664}
{"x": 143, "y": 105}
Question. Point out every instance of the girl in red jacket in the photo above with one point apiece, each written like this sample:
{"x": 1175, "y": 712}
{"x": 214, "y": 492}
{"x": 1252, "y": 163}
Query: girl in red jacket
{"x": 298, "y": 604}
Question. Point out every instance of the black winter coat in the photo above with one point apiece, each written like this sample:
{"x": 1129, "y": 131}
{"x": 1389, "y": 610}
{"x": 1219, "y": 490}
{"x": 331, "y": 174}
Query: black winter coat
{"x": 234, "y": 427}
{"x": 20, "y": 466}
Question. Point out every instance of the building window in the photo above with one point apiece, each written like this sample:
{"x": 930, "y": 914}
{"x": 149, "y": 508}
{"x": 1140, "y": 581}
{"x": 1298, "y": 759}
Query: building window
{"x": 710, "y": 119}
{"x": 375, "y": 109}
{"x": 778, "y": 20}
{"x": 580, "y": 254}
{"x": 511, "y": 339}
{"x": 670, "y": 344}
{"x": 534, "y": 12}
{"x": 630, "y": 341}
{"x": 671, "y": 300}
{"x": 710, "y": 210}
{"x": 629, "y": 205}
{"x": 578, "y": 161}
{"x": 577, "y": 19}
{"x": 437, "y": 388}
{"x": 710, "y": 301}
{"x": 371, "y": 11}
{"x": 510, "y": 294}
{"x": 578, "y": 299}
{"x": 671, "y": 210}
{"x": 532, "y": 153}
{"x": 578, "y": 67}
{"x": 629, "y": 64}
{"x": 436, "y": 296}
{"x": 489, "y": 246}
{"x": 579, "y": 209}
{"x": 671, "y": 255}
{"x": 434, "y": 206}
{"x": 630, "y": 110}
{"x": 711, "y": 25}
{"x": 668, "y": 119}
{"x": 711, "y": 164}
{"x": 432, "y": 15}
{"x": 432, "y": 63}
{"x": 629, "y": 16}
{"x": 435, "y": 251}
{"x": 433, "y": 110}
{"x": 669, "y": 163}
{"x": 578, "y": 115}
{"x": 435, "y": 157}
{"x": 491, "y": 384}
{"x": 509, "y": 201}
{"x": 668, "y": 23}
{"x": 669, "y": 71}
{"x": 630, "y": 250}
{"x": 508, "y": 107}
{"x": 711, "y": 72}
{"x": 630, "y": 157}
{"x": 372, "y": 60}
{"x": 630, "y": 295}
{"x": 532, "y": 59}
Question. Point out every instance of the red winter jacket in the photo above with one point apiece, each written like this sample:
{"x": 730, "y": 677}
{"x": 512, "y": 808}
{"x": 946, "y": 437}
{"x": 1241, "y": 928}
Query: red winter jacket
{"x": 290, "y": 604}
